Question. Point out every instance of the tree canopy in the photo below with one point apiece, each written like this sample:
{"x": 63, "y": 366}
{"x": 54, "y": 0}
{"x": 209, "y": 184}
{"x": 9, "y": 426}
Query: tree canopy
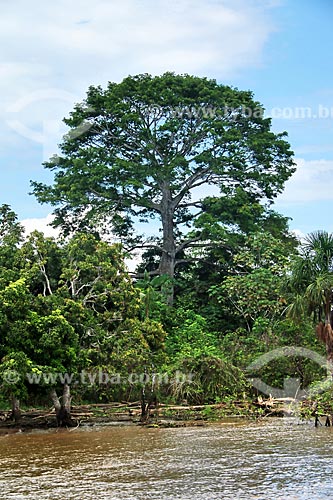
{"x": 149, "y": 149}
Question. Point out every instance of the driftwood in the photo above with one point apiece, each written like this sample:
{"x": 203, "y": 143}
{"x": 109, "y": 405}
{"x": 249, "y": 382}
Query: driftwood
{"x": 165, "y": 414}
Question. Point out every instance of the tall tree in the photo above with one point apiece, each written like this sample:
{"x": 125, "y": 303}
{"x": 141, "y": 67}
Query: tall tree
{"x": 139, "y": 150}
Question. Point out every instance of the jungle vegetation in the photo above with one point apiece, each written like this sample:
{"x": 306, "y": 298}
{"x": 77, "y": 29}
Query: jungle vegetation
{"x": 221, "y": 279}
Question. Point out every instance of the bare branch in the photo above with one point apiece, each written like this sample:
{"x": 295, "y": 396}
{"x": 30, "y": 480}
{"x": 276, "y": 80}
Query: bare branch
{"x": 196, "y": 204}
{"x": 142, "y": 275}
{"x": 144, "y": 245}
{"x": 187, "y": 243}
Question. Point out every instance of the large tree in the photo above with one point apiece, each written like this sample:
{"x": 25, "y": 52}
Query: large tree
{"x": 140, "y": 149}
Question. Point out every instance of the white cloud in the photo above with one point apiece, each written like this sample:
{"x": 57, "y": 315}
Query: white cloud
{"x": 71, "y": 45}
{"x": 40, "y": 224}
{"x": 312, "y": 181}
{"x": 116, "y": 38}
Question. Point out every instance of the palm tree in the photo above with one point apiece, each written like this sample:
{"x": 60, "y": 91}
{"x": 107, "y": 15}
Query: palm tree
{"x": 311, "y": 281}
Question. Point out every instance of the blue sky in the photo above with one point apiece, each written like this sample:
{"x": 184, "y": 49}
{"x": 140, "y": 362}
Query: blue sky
{"x": 279, "y": 49}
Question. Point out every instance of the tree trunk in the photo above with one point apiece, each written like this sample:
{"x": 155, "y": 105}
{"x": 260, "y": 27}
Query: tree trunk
{"x": 168, "y": 258}
{"x": 146, "y": 405}
{"x": 16, "y": 412}
{"x": 63, "y": 410}
{"x": 325, "y": 334}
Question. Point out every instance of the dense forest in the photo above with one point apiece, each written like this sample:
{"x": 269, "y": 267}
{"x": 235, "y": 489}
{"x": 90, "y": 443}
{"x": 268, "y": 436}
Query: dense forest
{"x": 221, "y": 279}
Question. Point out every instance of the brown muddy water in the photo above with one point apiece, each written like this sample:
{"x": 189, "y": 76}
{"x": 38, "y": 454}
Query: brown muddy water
{"x": 275, "y": 459}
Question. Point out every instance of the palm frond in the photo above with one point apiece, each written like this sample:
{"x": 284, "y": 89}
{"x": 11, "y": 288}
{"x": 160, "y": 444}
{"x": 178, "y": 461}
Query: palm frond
{"x": 319, "y": 245}
{"x": 297, "y": 309}
{"x": 318, "y": 290}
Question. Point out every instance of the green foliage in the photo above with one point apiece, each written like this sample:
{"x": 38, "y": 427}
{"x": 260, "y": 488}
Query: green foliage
{"x": 243, "y": 348}
{"x": 74, "y": 307}
{"x": 253, "y": 296}
{"x": 68, "y": 306}
{"x": 153, "y": 294}
{"x": 190, "y": 336}
{"x": 209, "y": 379}
{"x": 254, "y": 292}
{"x": 137, "y": 344}
{"x": 13, "y": 368}
{"x": 322, "y": 397}
{"x": 11, "y": 235}
{"x": 311, "y": 281}
{"x": 137, "y": 150}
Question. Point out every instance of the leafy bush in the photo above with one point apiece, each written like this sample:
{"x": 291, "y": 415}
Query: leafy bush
{"x": 209, "y": 379}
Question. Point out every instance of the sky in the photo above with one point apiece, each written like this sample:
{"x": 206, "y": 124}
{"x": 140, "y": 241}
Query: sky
{"x": 51, "y": 52}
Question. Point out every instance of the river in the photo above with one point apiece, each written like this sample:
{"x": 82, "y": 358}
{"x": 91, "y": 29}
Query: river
{"x": 273, "y": 459}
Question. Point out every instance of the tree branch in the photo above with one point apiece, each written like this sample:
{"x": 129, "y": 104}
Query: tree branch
{"x": 190, "y": 183}
{"x": 186, "y": 243}
{"x": 144, "y": 245}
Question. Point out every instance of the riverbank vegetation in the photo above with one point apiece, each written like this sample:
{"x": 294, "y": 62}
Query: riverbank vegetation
{"x": 221, "y": 280}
